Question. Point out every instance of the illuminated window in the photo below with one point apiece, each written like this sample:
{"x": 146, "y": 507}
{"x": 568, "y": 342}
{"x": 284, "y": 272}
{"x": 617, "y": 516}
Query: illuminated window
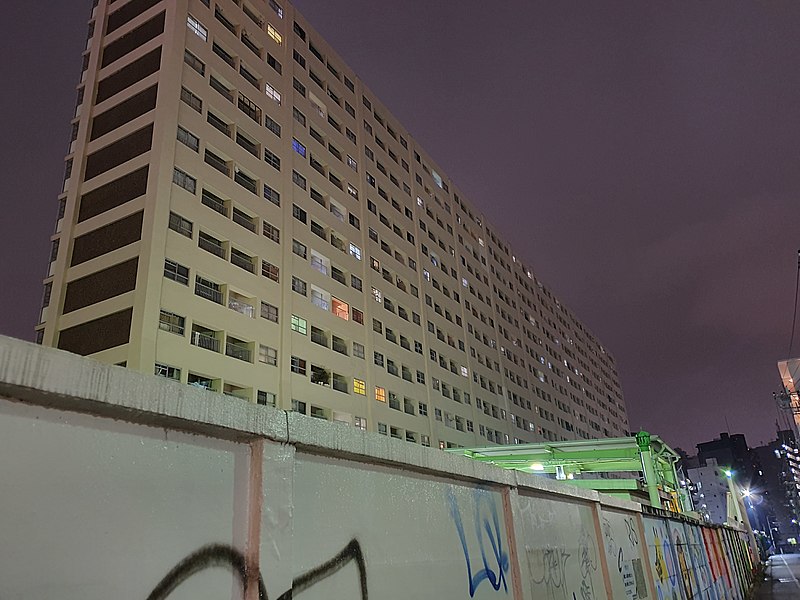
{"x": 197, "y": 27}
{"x": 273, "y": 33}
{"x": 299, "y": 325}
{"x": 355, "y": 251}
{"x": 341, "y": 309}
{"x": 376, "y": 293}
{"x": 272, "y": 93}
{"x": 380, "y": 394}
{"x": 360, "y": 387}
{"x": 298, "y": 147}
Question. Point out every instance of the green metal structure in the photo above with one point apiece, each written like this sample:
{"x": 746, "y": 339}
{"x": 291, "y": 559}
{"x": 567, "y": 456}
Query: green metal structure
{"x": 644, "y": 466}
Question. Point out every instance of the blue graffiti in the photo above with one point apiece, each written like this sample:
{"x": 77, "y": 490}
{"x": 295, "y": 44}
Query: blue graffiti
{"x": 487, "y": 524}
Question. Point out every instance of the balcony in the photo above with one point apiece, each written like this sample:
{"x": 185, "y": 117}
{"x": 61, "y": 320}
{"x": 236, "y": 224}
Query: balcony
{"x": 230, "y": 60}
{"x": 218, "y": 163}
{"x": 238, "y": 349}
{"x": 242, "y": 307}
{"x": 211, "y": 244}
{"x": 221, "y": 88}
{"x": 205, "y": 339}
{"x": 219, "y": 124}
{"x": 208, "y": 290}
{"x": 214, "y": 202}
{"x": 245, "y": 181}
{"x": 244, "y": 220}
{"x": 242, "y": 260}
{"x": 224, "y": 20}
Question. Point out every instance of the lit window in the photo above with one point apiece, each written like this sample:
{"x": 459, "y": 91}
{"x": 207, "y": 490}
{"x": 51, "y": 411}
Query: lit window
{"x": 376, "y": 293}
{"x": 273, "y": 33}
{"x": 464, "y": 372}
{"x": 360, "y": 387}
{"x": 341, "y": 309}
{"x": 380, "y": 394}
{"x": 299, "y": 325}
{"x": 298, "y": 147}
{"x": 197, "y": 27}
{"x": 355, "y": 251}
{"x": 272, "y": 93}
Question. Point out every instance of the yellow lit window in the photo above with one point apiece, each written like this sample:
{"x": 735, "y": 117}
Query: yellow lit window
{"x": 380, "y": 394}
{"x": 359, "y": 387}
{"x": 273, "y": 33}
{"x": 341, "y": 309}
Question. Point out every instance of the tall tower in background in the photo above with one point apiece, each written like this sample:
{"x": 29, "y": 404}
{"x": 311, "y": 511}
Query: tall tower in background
{"x": 240, "y": 212}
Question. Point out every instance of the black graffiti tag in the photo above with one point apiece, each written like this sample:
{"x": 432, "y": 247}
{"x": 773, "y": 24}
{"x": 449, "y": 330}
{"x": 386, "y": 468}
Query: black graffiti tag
{"x": 222, "y": 555}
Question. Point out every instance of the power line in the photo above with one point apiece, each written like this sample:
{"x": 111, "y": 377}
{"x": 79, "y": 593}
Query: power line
{"x": 794, "y": 312}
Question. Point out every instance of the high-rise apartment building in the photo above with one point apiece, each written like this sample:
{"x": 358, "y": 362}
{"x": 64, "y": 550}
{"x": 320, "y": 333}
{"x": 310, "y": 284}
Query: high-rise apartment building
{"x": 240, "y": 212}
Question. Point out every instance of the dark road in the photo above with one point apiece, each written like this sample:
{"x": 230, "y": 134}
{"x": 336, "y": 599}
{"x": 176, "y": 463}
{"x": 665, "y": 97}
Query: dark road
{"x": 782, "y": 578}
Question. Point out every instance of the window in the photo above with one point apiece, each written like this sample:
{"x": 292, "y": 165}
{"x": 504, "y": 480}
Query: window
{"x": 299, "y": 214}
{"x": 271, "y": 232}
{"x": 376, "y": 293}
{"x": 167, "y": 371}
{"x": 273, "y": 33}
{"x": 191, "y": 60}
{"x": 272, "y": 195}
{"x": 299, "y": 325}
{"x": 270, "y": 271}
{"x": 355, "y": 251}
{"x": 188, "y": 139}
{"x": 380, "y": 394}
{"x": 423, "y": 409}
{"x": 272, "y": 93}
{"x": 298, "y": 116}
{"x": 267, "y": 355}
{"x": 272, "y": 125}
{"x": 184, "y": 180}
{"x": 320, "y": 298}
{"x": 169, "y": 321}
{"x": 299, "y": 249}
{"x": 176, "y": 272}
{"x": 341, "y": 309}
{"x": 298, "y": 365}
{"x": 272, "y": 160}
{"x": 299, "y": 286}
{"x": 197, "y": 28}
{"x": 358, "y": 316}
{"x": 358, "y": 350}
{"x": 298, "y": 147}
{"x": 299, "y": 180}
{"x": 360, "y": 387}
{"x": 266, "y": 398}
{"x": 355, "y": 282}
{"x": 378, "y": 359}
{"x": 191, "y": 99}
{"x": 269, "y": 312}
{"x": 179, "y": 224}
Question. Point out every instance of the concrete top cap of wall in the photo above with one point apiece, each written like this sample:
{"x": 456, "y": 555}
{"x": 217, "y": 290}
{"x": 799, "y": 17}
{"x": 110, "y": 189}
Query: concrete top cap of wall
{"x": 57, "y": 379}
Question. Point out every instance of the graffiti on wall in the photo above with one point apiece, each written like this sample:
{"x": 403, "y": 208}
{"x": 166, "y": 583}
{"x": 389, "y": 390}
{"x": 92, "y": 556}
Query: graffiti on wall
{"x": 624, "y": 554}
{"x": 222, "y": 555}
{"x": 493, "y": 564}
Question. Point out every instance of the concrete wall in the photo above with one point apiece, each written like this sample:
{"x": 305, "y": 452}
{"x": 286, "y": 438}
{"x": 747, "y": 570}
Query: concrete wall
{"x": 115, "y": 484}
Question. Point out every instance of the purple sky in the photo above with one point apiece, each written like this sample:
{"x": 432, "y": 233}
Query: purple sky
{"x": 643, "y": 157}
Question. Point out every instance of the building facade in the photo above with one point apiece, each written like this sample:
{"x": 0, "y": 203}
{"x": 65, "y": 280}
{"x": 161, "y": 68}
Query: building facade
{"x": 240, "y": 212}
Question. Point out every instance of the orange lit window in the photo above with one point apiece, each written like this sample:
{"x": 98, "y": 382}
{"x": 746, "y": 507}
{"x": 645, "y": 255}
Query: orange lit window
{"x": 380, "y": 394}
{"x": 341, "y": 309}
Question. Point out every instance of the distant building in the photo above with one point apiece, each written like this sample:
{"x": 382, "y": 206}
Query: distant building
{"x": 710, "y": 491}
{"x": 776, "y": 502}
{"x": 241, "y": 213}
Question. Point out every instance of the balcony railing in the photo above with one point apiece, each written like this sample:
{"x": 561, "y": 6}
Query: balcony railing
{"x": 218, "y": 163}
{"x": 212, "y": 246}
{"x": 238, "y": 351}
{"x": 207, "y": 292}
{"x": 243, "y": 261}
{"x": 205, "y": 340}
{"x": 242, "y": 307}
{"x": 214, "y": 203}
{"x": 245, "y": 181}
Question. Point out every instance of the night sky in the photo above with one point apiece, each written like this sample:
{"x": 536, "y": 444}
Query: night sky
{"x": 643, "y": 157}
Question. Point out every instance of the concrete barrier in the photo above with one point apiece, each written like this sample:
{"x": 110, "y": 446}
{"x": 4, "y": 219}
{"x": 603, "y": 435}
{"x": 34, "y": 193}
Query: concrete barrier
{"x": 116, "y": 484}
